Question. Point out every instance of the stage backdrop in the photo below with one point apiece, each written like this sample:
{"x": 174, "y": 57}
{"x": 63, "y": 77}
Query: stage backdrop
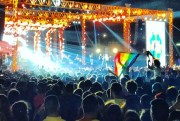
{"x": 155, "y": 40}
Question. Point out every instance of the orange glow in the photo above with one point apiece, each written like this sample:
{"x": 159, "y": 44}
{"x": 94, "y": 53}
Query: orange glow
{"x": 126, "y": 15}
{"x": 171, "y": 37}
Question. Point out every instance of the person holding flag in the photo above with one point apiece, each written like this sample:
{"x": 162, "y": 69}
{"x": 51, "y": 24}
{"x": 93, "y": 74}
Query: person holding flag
{"x": 123, "y": 61}
{"x": 154, "y": 64}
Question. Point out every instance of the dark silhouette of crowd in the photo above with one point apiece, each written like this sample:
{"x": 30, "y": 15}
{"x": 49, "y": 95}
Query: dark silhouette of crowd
{"x": 96, "y": 95}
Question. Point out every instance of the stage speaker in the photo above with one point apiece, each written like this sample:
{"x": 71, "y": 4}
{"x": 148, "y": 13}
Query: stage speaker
{"x": 2, "y": 20}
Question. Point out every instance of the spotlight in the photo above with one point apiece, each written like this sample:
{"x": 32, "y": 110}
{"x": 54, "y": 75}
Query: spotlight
{"x": 104, "y": 35}
{"x": 115, "y": 50}
{"x": 98, "y": 50}
{"x": 83, "y": 47}
{"x": 123, "y": 17}
{"x": 177, "y": 44}
{"x": 100, "y": 20}
{"x": 23, "y": 5}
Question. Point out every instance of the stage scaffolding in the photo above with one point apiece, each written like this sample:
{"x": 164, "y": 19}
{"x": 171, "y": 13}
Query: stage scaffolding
{"x": 27, "y": 18}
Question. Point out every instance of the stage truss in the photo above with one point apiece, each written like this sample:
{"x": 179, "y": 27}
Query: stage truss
{"x": 28, "y": 17}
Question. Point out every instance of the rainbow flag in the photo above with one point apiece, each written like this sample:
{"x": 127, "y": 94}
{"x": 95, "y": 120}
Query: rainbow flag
{"x": 123, "y": 61}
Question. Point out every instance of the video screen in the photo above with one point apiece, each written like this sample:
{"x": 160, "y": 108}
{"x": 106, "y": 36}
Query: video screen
{"x": 155, "y": 40}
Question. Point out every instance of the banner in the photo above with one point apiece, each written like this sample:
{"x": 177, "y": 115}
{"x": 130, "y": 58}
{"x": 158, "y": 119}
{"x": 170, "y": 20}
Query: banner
{"x": 123, "y": 61}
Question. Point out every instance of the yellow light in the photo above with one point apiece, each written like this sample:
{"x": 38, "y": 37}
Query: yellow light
{"x": 100, "y": 19}
{"x": 104, "y": 19}
{"x": 115, "y": 50}
{"x": 121, "y": 11}
{"x": 163, "y": 15}
{"x": 118, "y": 17}
{"x": 98, "y": 50}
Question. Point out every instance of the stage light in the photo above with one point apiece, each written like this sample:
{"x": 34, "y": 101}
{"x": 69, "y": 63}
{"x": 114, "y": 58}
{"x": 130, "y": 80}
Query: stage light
{"x": 98, "y": 50}
{"x": 25, "y": 53}
{"x": 163, "y": 15}
{"x": 178, "y": 44}
{"x": 115, "y": 50}
{"x": 104, "y": 19}
{"x": 9, "y": 39}
{"x": 83, "y": 47}
{"x": 100, "y": 20}
{"x": 23, "y": 5}
{"x": 121, "y": 11}
{"x": 111, "y": 18}
{"x": 118, "y": 17}
{"x": 106, "y": 57}
{"x": 104, "y": 35}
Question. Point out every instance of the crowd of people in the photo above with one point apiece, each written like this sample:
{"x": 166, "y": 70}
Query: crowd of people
{"x": 91, "y": 95}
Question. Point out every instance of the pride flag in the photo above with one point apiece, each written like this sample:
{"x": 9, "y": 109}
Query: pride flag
{"x": 123, "y": 61}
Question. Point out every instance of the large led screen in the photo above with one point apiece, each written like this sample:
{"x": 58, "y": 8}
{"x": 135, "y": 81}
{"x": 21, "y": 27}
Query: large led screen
{"x": 155, "y": 40}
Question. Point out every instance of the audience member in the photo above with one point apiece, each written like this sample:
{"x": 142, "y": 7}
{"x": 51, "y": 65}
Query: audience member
{"x": 20, "y": 111}
{"x": 52, "y": 106}
{"x": 159, "y": 110}
{"x": 90, "y": 108}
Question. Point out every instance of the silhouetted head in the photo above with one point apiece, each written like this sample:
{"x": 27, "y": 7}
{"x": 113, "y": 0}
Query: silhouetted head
{"x": 157, "y": 63}
{"x": 159, "y": 110}
{"x": 51, "y": 105}
{"x": 20, "y": 111}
